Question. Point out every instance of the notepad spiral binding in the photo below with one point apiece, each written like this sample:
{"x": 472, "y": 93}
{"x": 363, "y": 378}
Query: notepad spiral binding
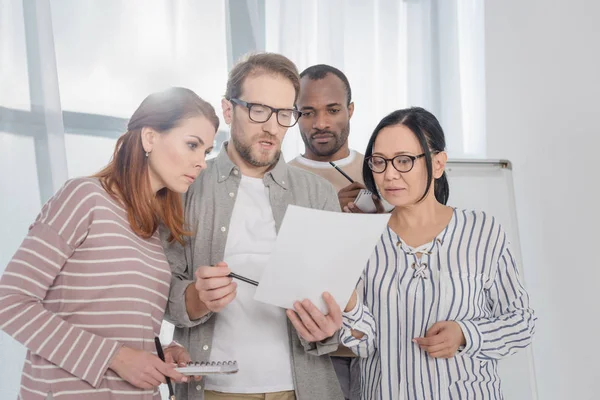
{"x": 209, "y": 367}
{"x": 210, "y": 363}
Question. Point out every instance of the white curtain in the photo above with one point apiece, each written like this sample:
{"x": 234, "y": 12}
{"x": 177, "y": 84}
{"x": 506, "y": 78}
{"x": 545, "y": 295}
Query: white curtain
{"x": 396, "y": 54}
{"x": 96, "y": 60}
{"x": 21, "y": 140}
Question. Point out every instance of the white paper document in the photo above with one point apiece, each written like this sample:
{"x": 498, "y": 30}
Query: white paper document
{"x": 319, "y": 251}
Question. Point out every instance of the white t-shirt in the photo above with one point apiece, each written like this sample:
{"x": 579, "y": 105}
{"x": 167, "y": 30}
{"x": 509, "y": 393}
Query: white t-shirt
{"x": 253, "y": 333}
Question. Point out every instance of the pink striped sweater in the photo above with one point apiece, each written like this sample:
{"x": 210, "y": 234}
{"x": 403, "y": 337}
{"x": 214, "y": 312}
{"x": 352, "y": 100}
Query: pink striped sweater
{"x": 81, "y": 285}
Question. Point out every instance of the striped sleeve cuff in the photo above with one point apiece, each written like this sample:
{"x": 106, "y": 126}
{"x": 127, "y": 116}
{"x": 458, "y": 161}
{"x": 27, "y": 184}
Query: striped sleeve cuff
{"x": 94, "y": 374}
{"x": 473, "y": 338}
{"x": 352, "y": 317}
{"x": 358, "y": 319}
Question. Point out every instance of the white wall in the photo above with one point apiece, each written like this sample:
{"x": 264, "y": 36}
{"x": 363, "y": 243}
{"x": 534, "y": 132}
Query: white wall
{"x": 543, "y": 103}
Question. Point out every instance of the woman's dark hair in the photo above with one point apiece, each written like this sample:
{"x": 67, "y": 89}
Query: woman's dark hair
{"x": 430, "y": 134}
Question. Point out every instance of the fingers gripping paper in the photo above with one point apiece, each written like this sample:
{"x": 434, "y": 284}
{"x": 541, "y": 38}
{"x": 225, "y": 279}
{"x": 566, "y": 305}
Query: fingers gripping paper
{"x": 319, "y": 251}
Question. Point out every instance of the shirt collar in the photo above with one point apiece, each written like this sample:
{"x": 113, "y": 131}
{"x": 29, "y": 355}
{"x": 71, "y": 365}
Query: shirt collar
{"x": 344, "y": 162}
{"x": 226, "y": 167}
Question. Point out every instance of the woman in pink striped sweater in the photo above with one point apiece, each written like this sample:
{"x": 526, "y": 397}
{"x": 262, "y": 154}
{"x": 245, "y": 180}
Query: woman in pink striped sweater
{"x": 87, "y": 289}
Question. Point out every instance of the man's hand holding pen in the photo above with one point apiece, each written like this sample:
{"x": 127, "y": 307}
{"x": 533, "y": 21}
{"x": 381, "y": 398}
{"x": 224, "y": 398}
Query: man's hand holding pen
{"x": 348, "y": 195}
{"x": 215, "y": 289}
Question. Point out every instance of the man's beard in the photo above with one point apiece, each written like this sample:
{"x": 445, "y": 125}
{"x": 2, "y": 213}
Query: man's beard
{"x": 244, "y": 149}
{"x": 339, "y": 141}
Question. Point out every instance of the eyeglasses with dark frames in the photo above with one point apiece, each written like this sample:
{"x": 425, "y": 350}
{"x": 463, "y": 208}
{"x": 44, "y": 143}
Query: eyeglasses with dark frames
{"x": 402, "y": 163}
{"x": 286, "y": 117}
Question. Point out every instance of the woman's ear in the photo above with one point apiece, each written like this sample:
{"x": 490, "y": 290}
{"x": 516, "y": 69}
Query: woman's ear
{"x": 439, "y": 164}
{"x": 148, "y": 138}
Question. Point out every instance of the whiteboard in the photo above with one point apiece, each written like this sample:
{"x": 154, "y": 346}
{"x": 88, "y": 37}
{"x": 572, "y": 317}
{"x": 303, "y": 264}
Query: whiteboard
{"x": 487, "y": 185}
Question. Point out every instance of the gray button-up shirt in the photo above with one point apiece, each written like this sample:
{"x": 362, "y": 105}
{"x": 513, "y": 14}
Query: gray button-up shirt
{"x": 208, "y": 206}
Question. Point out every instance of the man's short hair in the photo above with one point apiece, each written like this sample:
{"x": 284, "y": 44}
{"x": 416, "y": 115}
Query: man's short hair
{"x": 258, "y": 63}
{"x": 320, "y": 71}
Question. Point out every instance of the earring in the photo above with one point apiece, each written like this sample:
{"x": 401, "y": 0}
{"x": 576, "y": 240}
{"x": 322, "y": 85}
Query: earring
{"x": 147, "y": 154}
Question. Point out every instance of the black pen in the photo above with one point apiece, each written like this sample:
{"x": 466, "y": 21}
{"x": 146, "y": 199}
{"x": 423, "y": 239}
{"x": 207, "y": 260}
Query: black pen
{"x": 341, "y": 172}
{"x": 161, "y": 355}
{"x": 242, "y": 278}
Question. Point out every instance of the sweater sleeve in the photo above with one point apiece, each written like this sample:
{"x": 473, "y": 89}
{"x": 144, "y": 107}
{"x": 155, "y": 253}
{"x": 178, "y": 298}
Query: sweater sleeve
{"x": 60, "y": 228}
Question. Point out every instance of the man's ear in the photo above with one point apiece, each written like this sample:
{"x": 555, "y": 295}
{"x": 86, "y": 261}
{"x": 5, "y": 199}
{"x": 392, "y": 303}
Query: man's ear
{"x": 227, "y": 107}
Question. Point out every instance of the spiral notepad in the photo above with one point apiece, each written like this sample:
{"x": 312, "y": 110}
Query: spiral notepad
{"x": 209, "y": 368}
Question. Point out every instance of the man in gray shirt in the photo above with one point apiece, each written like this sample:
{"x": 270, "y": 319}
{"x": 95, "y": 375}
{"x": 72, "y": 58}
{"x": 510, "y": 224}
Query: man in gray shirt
{"x": 234, "y": 210}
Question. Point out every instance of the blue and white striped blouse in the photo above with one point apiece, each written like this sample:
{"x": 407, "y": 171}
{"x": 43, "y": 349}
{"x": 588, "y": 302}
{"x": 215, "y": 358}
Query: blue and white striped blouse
{"x": 466, "y": 274}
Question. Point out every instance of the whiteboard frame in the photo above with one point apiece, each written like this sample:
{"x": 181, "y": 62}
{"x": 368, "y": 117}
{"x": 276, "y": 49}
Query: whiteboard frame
{"x": 466, "y": 161}
{"x": 515, "y": 235}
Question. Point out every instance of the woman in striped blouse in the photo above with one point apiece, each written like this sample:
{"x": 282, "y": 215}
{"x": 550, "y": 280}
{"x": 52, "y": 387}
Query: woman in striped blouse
{"x": 87, "y": 289}
{"x": 442, "y": 283}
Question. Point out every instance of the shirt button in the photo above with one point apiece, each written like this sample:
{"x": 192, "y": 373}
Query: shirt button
{"x": 198, "y": 387}
{"x": 283, "y": 182}
{"x": 231, "y": 194}
{"x": 205, "y": 347}
{"x": 222, "y": 176}
{"x": 223, "y": 229}
{"x": 235, "y": 171}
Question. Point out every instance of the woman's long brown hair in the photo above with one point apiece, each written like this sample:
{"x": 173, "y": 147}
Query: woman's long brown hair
{"x": 126, "y": 177}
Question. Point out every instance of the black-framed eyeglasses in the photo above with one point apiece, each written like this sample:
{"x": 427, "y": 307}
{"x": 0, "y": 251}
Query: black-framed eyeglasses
{"x": 402, "y": 163}
{"x": 286, "y": 117}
